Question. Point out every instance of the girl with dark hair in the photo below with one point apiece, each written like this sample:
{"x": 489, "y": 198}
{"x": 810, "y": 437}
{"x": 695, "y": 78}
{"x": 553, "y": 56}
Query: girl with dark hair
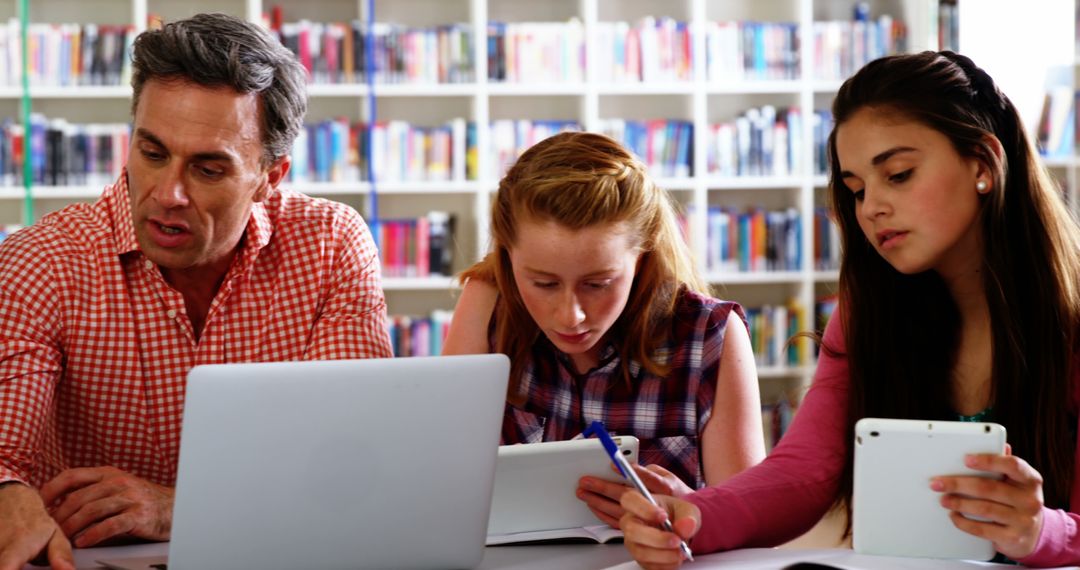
{"x": 959, "y": 300}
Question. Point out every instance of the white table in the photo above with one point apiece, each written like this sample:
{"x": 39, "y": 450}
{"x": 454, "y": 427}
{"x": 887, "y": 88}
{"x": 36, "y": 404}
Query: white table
{"x": 519, "y": 557}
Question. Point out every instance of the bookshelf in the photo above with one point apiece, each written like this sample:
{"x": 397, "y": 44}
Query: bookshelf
{"x": 700, "y": 100}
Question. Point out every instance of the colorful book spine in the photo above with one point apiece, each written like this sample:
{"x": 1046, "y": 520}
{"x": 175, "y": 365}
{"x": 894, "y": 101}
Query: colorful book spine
{"x": 840, "y": 48}
{"x": 510, "y": 138}
{"x": 335, "y": 52}
{"x": 336, "y": 151}
{"x": 417, "y": 247}
{"x": 772, "y": 334}
{"x": 664, "y": 145}
{"x": 753, "y": 240}
{"x": 662, "y": 51}
{"x": 62, "y": 153}
{"x": 66, "y": 55}
{"x": 826, "y": 241}
{"x": 412, "y": 335}
{"x": 762, "y": 141}
{"x": 744, "y": 51}
{"x": 536, "y": 52}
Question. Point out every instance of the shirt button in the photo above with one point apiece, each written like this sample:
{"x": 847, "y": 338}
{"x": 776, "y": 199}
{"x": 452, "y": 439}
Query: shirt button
{"x": 171, "y": 313}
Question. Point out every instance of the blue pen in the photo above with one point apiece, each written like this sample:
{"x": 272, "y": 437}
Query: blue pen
{"x": 627, "y": 471}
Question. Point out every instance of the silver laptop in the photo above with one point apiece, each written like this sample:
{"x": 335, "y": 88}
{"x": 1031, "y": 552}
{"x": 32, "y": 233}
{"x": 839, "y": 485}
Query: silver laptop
{"x": 384, "y": 463}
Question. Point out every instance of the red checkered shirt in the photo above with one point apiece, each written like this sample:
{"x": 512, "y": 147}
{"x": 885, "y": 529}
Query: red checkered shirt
{"x": 95, "y": 346}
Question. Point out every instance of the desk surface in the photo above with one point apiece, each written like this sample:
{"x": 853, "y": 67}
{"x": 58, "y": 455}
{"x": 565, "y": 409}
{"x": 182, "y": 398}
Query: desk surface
{"x": 522, "y": 557}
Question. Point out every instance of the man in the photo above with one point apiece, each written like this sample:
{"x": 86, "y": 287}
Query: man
{"x": 192, "y": 257}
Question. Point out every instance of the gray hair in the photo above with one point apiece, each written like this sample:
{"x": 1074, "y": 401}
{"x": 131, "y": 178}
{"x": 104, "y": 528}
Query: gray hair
{"x": 216, "y": 50}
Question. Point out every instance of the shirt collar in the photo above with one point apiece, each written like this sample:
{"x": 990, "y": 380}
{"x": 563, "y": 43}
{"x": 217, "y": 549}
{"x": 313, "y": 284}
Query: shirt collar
{"x": 608, "y": 356}
{"x": 118, "y": 199}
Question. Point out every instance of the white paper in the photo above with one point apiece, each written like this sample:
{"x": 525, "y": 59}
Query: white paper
{"x": 774, "y": 559}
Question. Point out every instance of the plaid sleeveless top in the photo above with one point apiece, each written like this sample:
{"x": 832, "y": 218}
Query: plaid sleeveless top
{"x": 667, "y": 414}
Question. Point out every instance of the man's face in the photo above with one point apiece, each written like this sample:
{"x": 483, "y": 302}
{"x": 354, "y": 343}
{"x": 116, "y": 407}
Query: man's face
{"x": 194, "y": 173}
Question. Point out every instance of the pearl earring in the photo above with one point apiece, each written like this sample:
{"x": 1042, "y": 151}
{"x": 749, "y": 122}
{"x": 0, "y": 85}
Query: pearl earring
{"x": 981, "y": 186}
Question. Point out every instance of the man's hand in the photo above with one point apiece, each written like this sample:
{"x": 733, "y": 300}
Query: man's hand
{"x": 94, "y": 504}
{"x": 27, "y": 531}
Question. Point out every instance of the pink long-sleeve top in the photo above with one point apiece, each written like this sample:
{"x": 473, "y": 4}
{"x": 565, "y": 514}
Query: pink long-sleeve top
{"x": 786, "y": 494}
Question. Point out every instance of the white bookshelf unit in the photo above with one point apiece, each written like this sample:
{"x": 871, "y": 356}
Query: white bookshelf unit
{"x": 698, "y": 100}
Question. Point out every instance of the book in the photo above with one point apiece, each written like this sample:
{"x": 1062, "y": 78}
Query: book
{"x": 599, "y": 534}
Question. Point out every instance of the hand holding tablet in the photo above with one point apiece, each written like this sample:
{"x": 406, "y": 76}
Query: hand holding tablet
{"x": 894, "y": 510}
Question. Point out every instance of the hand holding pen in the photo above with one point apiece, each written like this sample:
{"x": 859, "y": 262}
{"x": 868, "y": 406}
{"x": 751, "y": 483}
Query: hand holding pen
{"x": 597, "y": 428}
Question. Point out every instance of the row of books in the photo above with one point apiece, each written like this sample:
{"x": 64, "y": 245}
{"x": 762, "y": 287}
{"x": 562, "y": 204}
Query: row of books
{"x": 776, "y": 418}
{"x": 63, "y": 153}
{"x": 510, "y": 138}
{"x": 772, "y": 328}
{"x": 536, "y": 52}
{"x": 826, "y": 241}
{"x": 661, "y": 49}
{"x": 763, "y": 141}
{"x": 739, "y": 51}
{"x": 652, "y": 50}
{"x": 337, "y": 151}
{"x": 841, "y": 48}
{"x": 417, "y": 335}
{"x": 753, "y": 240}
{"x": 66, "y": 54}
{"x": 664, "y": 145}
{"x": 336, "y": 52}
{"x": 416, "y": 247}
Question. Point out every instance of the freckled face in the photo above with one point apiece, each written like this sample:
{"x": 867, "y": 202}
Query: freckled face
{"x": 574, "y": 283}
{"x": 915, "y": 196}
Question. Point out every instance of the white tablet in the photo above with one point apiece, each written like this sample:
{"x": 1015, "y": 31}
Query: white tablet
{"x": 894, "y": 511}
{"x": 536, "y": 483}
